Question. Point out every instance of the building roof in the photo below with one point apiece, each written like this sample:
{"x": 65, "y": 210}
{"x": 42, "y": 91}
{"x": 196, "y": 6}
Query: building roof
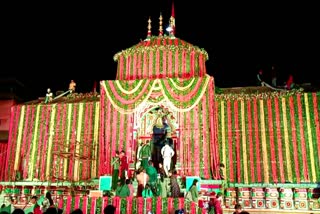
{"x": 161, "y": 43}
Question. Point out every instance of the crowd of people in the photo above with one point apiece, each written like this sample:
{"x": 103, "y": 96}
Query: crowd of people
{"x": 44, "y": 208}
{"x": 161, "y": 181}
{"x": 49, "y": 207}
{"x": 151, "y": 181}
{"x": 35, "y": 206}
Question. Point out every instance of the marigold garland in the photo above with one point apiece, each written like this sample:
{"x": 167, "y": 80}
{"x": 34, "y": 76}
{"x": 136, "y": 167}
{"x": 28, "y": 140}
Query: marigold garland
{"x": 181, "y": 98}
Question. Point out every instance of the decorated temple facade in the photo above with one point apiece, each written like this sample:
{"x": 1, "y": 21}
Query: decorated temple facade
{"x": 261, "y": 144}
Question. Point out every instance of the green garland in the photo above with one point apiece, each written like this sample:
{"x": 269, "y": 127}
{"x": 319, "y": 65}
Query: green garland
{"x": 298, "y": 137}
{"x": 164, "y": 206}
{"x": 275, "y": 137}
{"x": 269, "y": 118}
{"x": 154, "y": 205}
{"x": 134, "y": 205}
{"x": 123, "y": 205}
{"x": 208, "y": 129}
{"x": 154, "y": 60}
{"x": 89, "y": 204}
{"x": 176, "y": 203}
{"x": 117, "y": 137}
{"x": 193, "y": 158}
{"x": 234, "y": 140}
{"x": 180, "y": 65}
{"x": 290, "y": 139}
{"x": 161, "y": 64}
{"x": 72, "y": 202}
{"x": 65, "y": 199}
{"x": 200, "y": 118}
{"x": 314, "y": 136}
{"x": 99, "y": 203}
{"x": 317, "y": 151}
{"x": 247, "y": 143}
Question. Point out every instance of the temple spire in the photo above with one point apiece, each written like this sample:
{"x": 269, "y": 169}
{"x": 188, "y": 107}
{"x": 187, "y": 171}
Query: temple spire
{"x": 172, "y": 22}
{"x": 160, "y": 26}
{"x": 149, "y": 29}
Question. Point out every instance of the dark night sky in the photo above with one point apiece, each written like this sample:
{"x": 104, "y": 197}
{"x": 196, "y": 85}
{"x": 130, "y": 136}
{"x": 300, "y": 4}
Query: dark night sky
{"x": 48, "y": 45}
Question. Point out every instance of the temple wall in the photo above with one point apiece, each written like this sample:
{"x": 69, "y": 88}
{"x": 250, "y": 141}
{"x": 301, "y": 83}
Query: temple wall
{"x": 53, "y": 142}
{"x": 269, "y": 137}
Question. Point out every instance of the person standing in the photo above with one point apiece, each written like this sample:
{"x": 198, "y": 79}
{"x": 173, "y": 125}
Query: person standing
{"x": 47, "y": 202}
{"x": 194, "y": 191}
{"x": 138, "y": 161}
{"x": 153, "y": 177}
{"x": 123, "y": 168}
{"x": 142, "y": 179}
{"x": 161, "y": 171}
{"x": 130, "y": 186}
{"x": 49, "y": 96}
{"x": 162, "y": 182}
{"x": 175, "y": 188}
{"x": 260, "y": 78}
{"x": 36, "y": 207}
{"x": 115, "y": 174}
{"x": 12, "y": 206}
{"x": 122, "y": 190}
{"x": 290, "y": 83}
{"x": 145, "y": 154}
{"x": 72, "y": 86}
{"x": 167, "y": 153}
{"x": 217, "y": 204}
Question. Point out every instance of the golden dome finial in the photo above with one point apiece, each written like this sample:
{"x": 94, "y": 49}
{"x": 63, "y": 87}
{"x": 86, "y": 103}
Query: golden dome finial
{"x": 160, "y": 25}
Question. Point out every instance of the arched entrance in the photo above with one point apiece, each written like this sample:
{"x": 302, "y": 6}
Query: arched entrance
{"x": 156, "y": 124}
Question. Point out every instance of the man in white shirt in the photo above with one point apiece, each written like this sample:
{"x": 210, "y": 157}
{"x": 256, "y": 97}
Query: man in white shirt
{"x": 167, "y": 153}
